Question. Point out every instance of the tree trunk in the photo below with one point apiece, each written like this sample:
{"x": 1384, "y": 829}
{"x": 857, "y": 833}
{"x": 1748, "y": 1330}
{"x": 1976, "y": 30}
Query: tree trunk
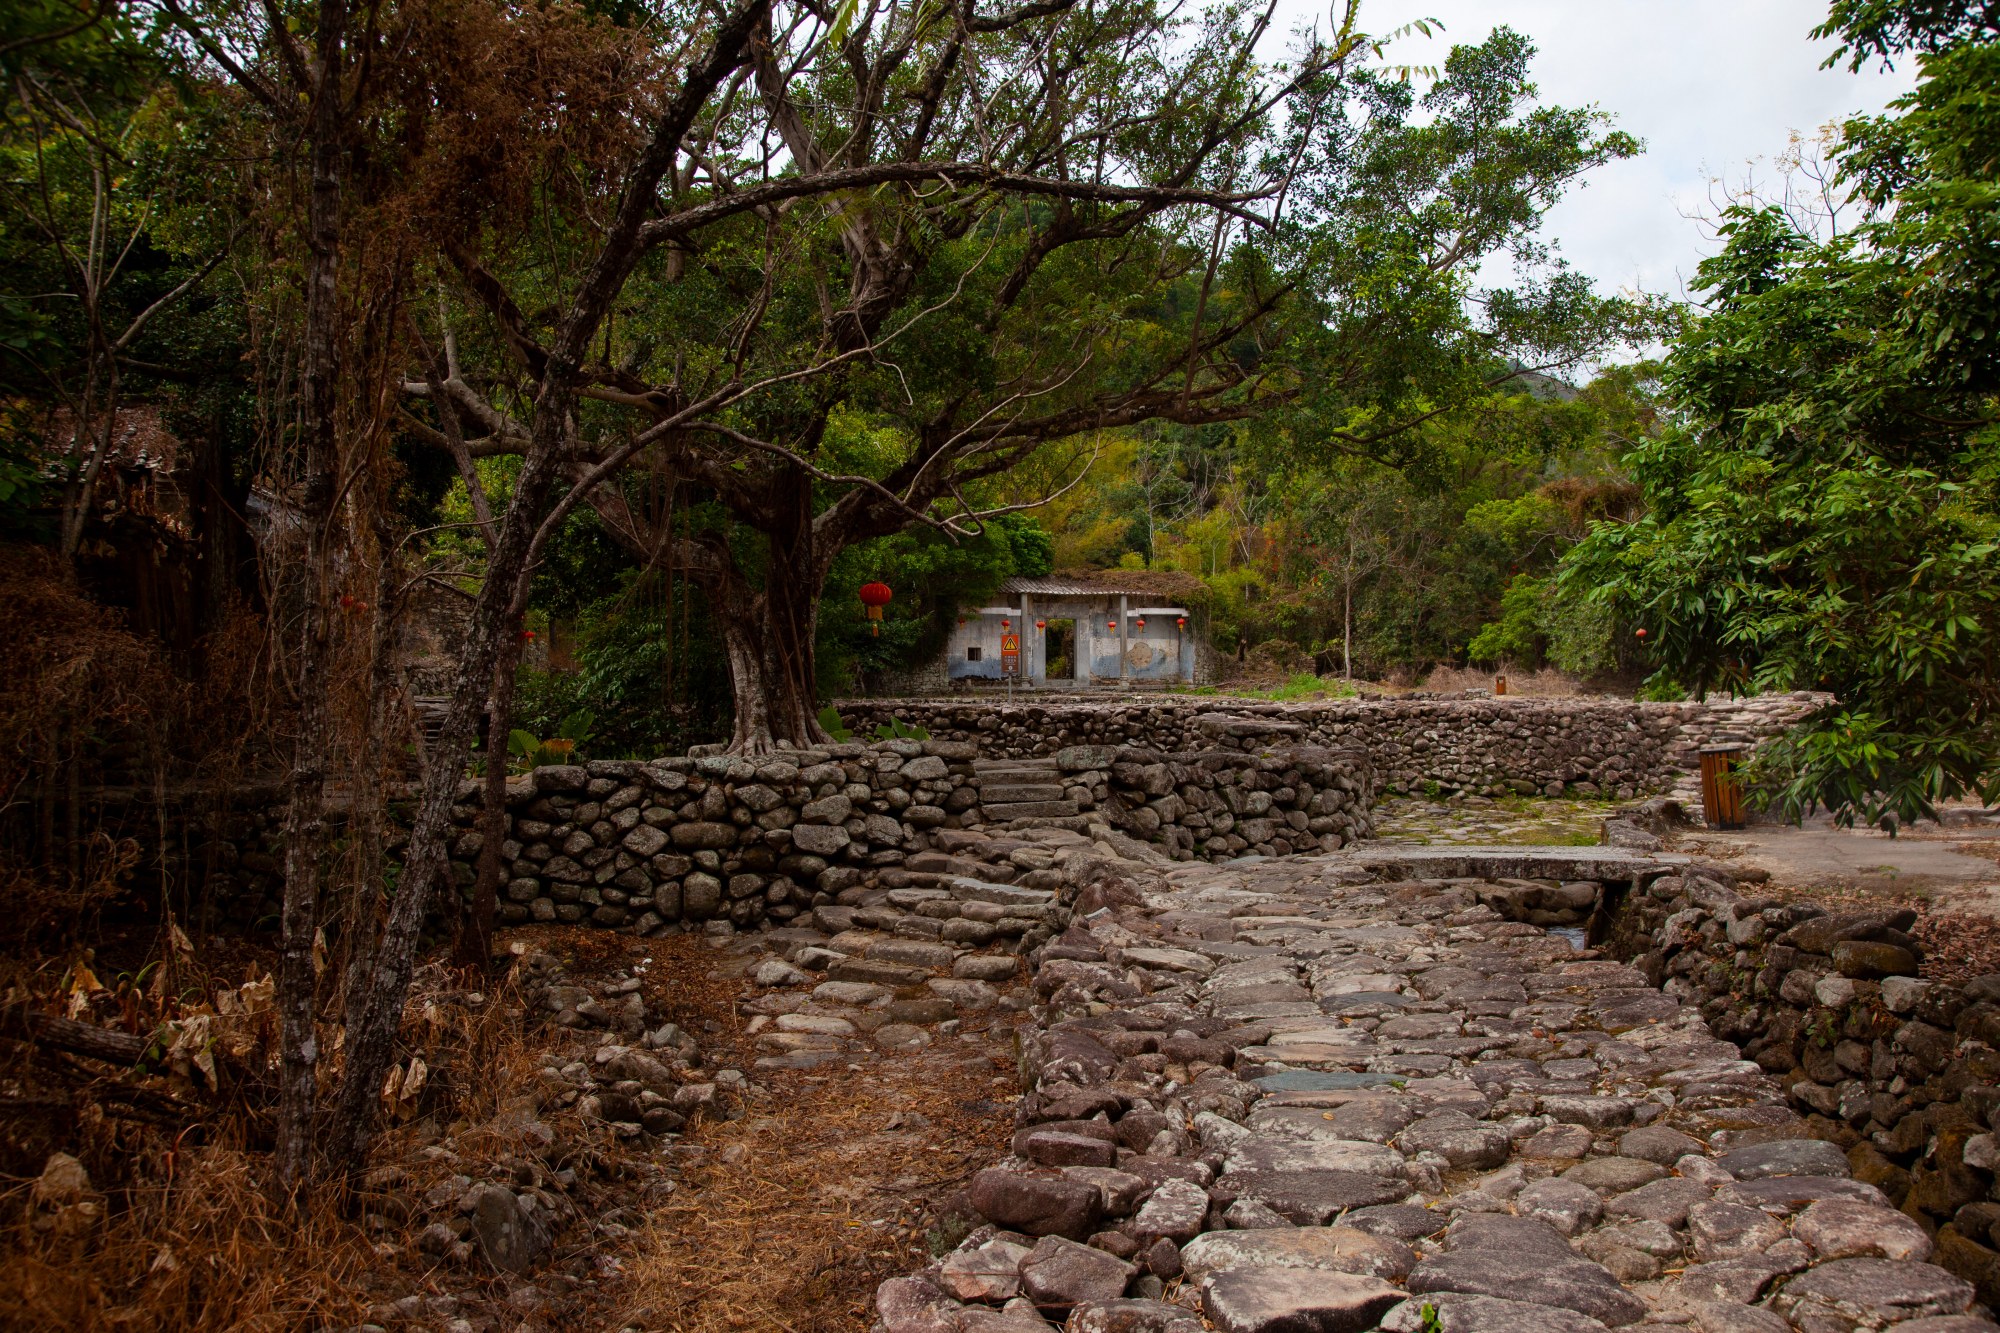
{"x": 371, "y": 1037}
{"x": 475, "y": 942}
{"x": 305, "y": 818}
{"x": 768, "y": 634}
{"x": 1347, "y": 631}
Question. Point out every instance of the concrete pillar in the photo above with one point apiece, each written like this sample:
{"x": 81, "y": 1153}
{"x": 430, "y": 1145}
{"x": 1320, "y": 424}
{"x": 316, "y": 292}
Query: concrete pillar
{"x": 1122, "y": 622}
{"x": 1031, "y": 640}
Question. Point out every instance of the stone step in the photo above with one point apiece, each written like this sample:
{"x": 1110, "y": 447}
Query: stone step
{"x": 1030, "y": 810}
{"x": 985, "y": 770}
{"x": 995, "y": 793}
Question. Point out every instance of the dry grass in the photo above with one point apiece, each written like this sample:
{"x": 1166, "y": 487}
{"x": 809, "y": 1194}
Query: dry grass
{"x": 834, "y": 1179}
{"x": 198, "y": 1246}
{"x": 798, "y": 1211}
{"x": 180, "y": 1228}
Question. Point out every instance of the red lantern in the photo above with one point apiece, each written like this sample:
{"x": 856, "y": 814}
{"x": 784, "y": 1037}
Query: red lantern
{"x": 1642, "y": 634}
{"x": 1006, "y": 624}
{"x": 875, "y": 596}
{"x": 1142, "y": 622}
{"x": 1180, "y": 622}
{"x": 1041, "y": 624}
{"x": 1110, "y": 627}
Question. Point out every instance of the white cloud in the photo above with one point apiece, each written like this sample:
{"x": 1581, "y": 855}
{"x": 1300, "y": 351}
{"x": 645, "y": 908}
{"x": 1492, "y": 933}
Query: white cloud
{"x": 1708, "y": 85}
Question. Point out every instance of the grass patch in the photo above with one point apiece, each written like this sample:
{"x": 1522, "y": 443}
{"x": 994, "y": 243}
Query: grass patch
{"x": 1306, "y": 686}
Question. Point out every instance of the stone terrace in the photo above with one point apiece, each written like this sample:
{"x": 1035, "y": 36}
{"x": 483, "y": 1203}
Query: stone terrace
{"x": 1584, "y": 746}
{"x": 1344, "y": 1092}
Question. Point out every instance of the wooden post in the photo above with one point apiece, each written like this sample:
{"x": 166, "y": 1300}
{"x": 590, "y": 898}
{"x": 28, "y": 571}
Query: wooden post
{"x": 1721, "y": 794}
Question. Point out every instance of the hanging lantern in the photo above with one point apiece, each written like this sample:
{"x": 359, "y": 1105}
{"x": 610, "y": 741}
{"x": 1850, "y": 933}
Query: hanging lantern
{"x": 1142, "y": 622}
{"x": 1110, "y": 627}
{"x": 1041, "y": 624}
{"x": 875, "y": 596}
{"x": 1642, "y": 634}
{"x": 1180, "y": 622}
{"x": 1006, "y": 624}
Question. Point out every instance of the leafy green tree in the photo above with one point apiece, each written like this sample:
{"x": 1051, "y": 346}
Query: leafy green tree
{"x": 1404, "y": 201}
{"x": 1823, "y": 515}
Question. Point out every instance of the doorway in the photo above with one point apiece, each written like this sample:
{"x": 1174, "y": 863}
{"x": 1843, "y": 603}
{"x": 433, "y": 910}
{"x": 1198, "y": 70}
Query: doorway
{"x": 1059, "y": 650}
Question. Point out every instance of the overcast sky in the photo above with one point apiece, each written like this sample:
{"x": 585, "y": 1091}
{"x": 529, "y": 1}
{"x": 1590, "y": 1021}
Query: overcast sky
{"x": 1708, "y": 85}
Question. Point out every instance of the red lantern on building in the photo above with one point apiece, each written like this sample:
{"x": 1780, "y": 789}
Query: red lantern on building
{"x": 874, "y": 596}
{"x": 1041, "y": 624}
{"x": 1110, "y": 627}
{"x": 1180, "y": 622}
{"x": 1142, "y": 622}
{"x": 1006, "y": 624}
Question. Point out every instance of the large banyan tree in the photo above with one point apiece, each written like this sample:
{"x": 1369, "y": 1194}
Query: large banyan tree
{"x": 888, "y": 253}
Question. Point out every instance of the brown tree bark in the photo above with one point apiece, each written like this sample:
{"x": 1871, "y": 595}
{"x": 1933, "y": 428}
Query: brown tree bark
{"x": 475, "y": 941}
{"x": 305, "y": 817}
{"x": 371, "y": 1042}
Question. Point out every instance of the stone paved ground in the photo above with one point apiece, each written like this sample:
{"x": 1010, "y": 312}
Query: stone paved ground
{"x": 1286, "y": 1096}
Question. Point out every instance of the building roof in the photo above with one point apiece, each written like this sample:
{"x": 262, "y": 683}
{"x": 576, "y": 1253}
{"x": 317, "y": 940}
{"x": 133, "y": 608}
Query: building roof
{"x": 1171, "y": 584}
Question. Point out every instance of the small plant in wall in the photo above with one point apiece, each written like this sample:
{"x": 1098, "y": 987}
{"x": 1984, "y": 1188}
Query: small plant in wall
{"x": 895, "y": 729}
{"x": 529, "y": 753}
{"x": 830, "y": 722}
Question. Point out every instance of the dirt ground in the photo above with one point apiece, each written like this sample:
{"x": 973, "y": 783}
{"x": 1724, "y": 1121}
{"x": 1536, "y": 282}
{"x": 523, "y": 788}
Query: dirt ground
{"x": 833, "y": 1179}
{"x": 1953, "y": 867}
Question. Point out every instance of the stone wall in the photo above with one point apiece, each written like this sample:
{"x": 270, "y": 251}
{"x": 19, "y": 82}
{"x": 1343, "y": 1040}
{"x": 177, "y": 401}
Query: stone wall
{"x": 645, "y": 846}
{"x": 1221, "y": 804}
{"x": 1587, "y": 747}
{"x": 1898, "y": 1071}
{"x": 623, "y": 843}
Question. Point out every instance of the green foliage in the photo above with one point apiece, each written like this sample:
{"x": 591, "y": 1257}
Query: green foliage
{"x": 648, "y": 669}
{"x": 1517, "y": 636}
{"x": 1824, "y": 515}
{"x": 1307, "y": 686}
{"x": 1582, "y": 633}
{"x": 1539, "y": 622}
{"x": 1402, "y": 200}
{"x": 895, "y": 729}
{"x": 831, "y": 722}
{"x": 565, "y": 747}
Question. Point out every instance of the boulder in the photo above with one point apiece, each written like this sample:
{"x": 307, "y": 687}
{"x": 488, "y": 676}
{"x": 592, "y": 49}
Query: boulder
{"x": 1036, "y": 1203}
{"x": 1290, "y": 1300}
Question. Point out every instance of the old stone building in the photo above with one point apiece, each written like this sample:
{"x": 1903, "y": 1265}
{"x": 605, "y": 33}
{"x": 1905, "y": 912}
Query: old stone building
{"x": 1121, "y": 628}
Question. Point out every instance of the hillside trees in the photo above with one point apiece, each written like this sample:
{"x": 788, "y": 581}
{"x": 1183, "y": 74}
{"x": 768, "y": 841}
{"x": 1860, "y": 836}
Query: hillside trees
{"x": 104, "y": 236}
{"x": 1824, "y": 516}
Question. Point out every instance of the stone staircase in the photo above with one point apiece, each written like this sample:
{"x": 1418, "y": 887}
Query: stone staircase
{"x": 1021, "y": 789}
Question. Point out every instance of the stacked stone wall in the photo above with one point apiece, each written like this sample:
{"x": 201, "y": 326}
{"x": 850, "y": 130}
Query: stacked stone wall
{"x": 1220, "y": 804}
{"x": 621, "y": 843}
{"x": 1585, "y": 747}
{"x": 1901, "y": 1072}
{"x": 643, "y": 846}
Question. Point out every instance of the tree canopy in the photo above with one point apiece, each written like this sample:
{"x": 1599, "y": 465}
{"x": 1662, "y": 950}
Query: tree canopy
{"x": 1823, "y": 513}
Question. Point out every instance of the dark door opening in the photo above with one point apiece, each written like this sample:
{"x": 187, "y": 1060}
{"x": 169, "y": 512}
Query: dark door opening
{"x": 1059, "y": 650}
